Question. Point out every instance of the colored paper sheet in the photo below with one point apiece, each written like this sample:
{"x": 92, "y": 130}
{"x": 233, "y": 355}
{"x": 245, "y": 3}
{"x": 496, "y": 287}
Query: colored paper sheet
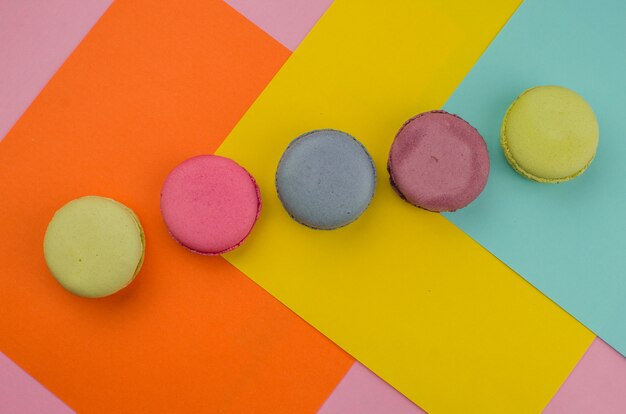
{"x": 596, "y": 385}
{"x": 20, "y": 393}
{"x": 149, "y": 86}
{"x": 401, "y": 289}
{"x": 36, "y": 36}
{"x": 362, "y": 392}
{"x": 567, "y": 239}
{"x": 287, "y": 21}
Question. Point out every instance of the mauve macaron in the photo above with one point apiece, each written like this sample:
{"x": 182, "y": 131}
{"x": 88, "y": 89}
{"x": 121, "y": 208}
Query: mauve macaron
{"x": 210, "y": 204}
{"x": 325, "y": 179}
{"x": 438, "y": 162}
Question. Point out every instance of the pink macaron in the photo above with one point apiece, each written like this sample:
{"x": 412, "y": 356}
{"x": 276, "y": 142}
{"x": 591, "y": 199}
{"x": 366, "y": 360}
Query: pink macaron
{"x": 438, "y": 162}
{"x": 210, "y": 204}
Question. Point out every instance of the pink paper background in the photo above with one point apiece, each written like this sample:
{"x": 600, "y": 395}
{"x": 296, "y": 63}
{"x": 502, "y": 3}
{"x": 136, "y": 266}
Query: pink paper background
{"x": 36, "y": 36}
{"x": 287, "y": 21}
{"x": 21, "y": 394}
{"x": 597, "y": 384}
{"x": 362, "y": 392}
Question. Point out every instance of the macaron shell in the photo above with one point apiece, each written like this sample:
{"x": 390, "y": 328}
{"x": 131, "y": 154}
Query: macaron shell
{"x": 438, "y": 162}
{"x": 94, "y": 246}
{"x": 325, "y": 179}
{"x": 549, "y": 134}
{"x": 210, "y": 204}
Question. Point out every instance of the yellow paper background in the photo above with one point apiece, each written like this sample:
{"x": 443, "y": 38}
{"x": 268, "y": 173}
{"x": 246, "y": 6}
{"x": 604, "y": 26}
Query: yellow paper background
{"x": 401, "y": 289}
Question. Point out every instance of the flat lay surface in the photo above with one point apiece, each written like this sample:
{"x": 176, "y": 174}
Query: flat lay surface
{"x": 494, "y": 307}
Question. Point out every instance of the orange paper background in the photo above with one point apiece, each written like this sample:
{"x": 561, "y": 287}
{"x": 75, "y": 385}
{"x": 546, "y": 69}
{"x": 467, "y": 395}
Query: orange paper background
{"x": 152, "y": 84}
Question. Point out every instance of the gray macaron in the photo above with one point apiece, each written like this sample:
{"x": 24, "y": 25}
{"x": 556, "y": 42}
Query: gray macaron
{"x": 325, "y": 179}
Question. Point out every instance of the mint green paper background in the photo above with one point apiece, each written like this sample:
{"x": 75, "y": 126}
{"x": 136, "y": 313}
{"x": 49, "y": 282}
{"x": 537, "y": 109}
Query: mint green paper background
{"x": 568, "y": 240}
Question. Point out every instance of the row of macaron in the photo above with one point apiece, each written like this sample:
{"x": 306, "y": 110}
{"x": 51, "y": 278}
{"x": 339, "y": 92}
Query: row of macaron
{"x": 325, "y": 179}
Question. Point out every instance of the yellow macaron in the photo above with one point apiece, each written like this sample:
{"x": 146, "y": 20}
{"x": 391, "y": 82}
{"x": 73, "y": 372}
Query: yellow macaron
{"x": 94, "y": 246}
{"x": 549, "y": 134}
